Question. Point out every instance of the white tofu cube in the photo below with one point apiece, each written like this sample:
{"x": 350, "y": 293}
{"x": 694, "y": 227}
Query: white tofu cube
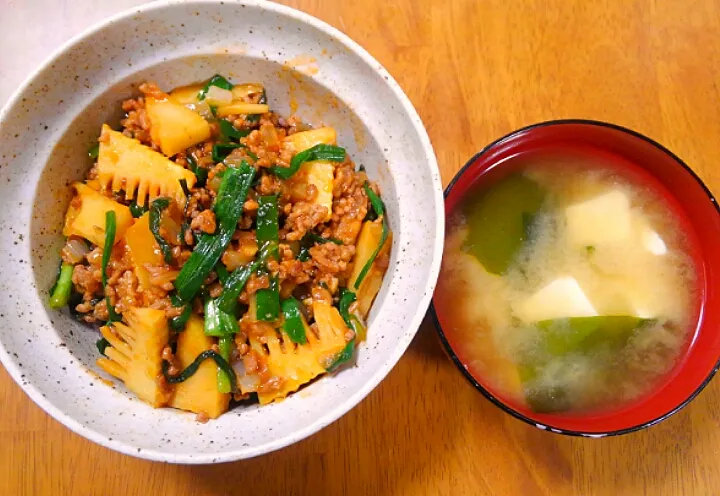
{"x": 653, "y": 242}
{"x": 641, "y": 303}
{"x": 602, "y": 220}
{"x": 561, "y": 298}
{"x": 650, "y": 239}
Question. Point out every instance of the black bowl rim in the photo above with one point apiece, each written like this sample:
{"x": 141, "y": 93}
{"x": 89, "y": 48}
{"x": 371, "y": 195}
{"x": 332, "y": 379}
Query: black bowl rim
{"x": 466, "y": 373}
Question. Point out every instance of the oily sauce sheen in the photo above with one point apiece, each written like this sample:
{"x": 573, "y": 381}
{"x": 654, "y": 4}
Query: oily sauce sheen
{"x": 567, "y": 287}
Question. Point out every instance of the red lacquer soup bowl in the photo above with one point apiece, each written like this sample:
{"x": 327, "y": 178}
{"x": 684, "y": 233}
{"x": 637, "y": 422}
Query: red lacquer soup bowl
{"x": 643, "y": 160}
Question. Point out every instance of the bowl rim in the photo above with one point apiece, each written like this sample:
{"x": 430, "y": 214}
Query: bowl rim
{"x": 464, "y": 370}
{"x": 423, "y": 304}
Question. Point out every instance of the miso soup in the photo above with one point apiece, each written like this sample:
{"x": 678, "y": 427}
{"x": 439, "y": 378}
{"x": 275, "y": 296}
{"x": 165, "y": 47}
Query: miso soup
{"x": 567, "y": 286}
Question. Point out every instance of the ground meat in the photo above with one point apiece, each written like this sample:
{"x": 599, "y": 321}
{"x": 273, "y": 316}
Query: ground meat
{"x": 329, "y": 282}
{"x": 255, "y": 328}
{"x": 164, "y": 303}
{"x": 100, "y": 313}
{"x": 215, "y": 290}
{"x": 257, "y": 364}
{"x": 241, "y": 251}
{"x": 321, "y": 294}
{"x": 126, "y": 292}
{"x": 198, "y": 306}
{"x": 241, "y": 343}
{"x": 188, "y": 237}
{"x": 328, "y": 264}
{"x": 201, "y": 154}
{"x": 318, "y": 278}
{"x": 345, "y": 180}
{"x": 182, "y": 160}
{"x": 202, "y": 418}
{"x": 172, "y": 311}
{"x": 270, "y": 185}
{"x": 292, "y": 270}
{"x": 200, "y": 199}
{"x": 136, "y": 124}
{"x": 273, "y": 119}
{"x": 93, "y": 172}
{"x": 266, "y": 143}
{"x": 133, "y": 104}
{"x": 350, "y": 205}
{"x": 204, "y": 221}
{"x": 118, "y": 266}
{"x": 245, "y": 222}
{"x": 257, "y": 282}
{"x": 151, "y": 89}
{"x": 270, "y": 384}
{"x": 250, "y": 205}
{"x": 75, "y": 203}
{"x": 162, "y": 276}
{"x": 211, "y": 278}
{"x": 86, "y": 311}
{"x": 94, "y": 258}
{"x": 181, "y": 255}
{"x": 240, "y": 121}
{"x": 302, "y": 217}
{"x": 162, "y": 383}
{"x": 168, "y": 356}
{"x": 86, "y": 281}
{"x": 123, "y": 287}
{"x": 332, "y": 258}
{"x": 295, "y": 125}
{"x": 285, "y": 252}
{"x": 307, "y": 304}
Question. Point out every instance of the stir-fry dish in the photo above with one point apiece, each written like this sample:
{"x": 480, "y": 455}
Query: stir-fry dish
{"x": 227, "y": 253}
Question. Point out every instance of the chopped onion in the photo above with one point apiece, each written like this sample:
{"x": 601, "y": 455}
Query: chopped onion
{"x": 161, "y": 275}
{"x": 202, "y": 108}
{"x": 236, "y": 258}
{"x": 236, "y": 158}
{"x": 95, "y": 256}
{"x": 286, "y": 288}
{"x": 172, "y": 227}
{"x": 239, "y": 367}
{"x": 218, "y": 96}
{"x": 268, "y": 134}
{"x": 247, "y": 383}
{"x": 214, "y": 183}
{"x": 75, "y": 250}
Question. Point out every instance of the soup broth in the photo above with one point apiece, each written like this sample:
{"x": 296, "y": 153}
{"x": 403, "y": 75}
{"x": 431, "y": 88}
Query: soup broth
{"x": 567, "y": 286}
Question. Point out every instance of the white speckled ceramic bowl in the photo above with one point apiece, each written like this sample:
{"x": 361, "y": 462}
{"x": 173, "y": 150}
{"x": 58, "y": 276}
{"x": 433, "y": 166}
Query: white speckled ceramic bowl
{"x": 45, "y": 131}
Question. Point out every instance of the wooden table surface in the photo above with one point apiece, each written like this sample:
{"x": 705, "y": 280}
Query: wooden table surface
{"x": 475, "y": 70}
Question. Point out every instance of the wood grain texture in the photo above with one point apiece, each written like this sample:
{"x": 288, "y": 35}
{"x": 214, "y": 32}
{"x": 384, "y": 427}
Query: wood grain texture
{"x": 475, "y": 70}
